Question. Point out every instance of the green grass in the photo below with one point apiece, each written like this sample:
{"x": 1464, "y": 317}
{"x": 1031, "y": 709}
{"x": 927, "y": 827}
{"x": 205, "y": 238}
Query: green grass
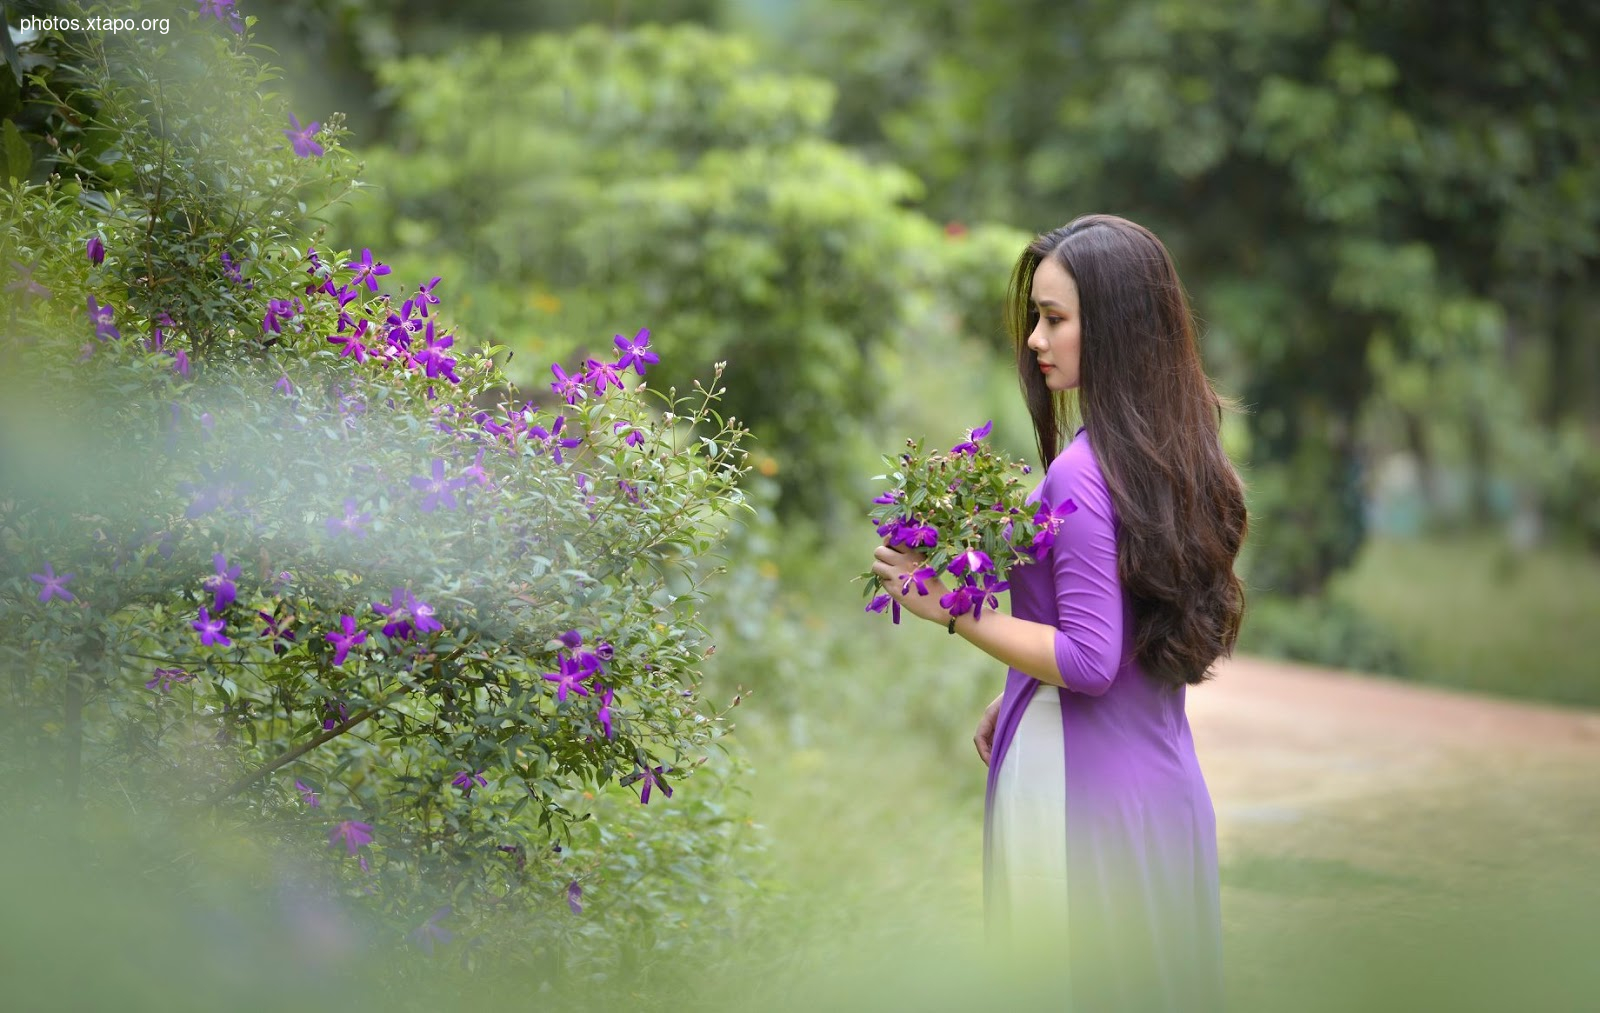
{"x": 1471, "y": 615}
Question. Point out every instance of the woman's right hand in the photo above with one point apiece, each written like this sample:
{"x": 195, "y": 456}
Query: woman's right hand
{"x": 984, "y": 739}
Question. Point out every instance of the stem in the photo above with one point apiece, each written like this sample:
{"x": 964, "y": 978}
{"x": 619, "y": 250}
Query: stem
{"x": 72, "y": 776}
{"x": 298, "y": 751}
{"x": 316, "y": 740}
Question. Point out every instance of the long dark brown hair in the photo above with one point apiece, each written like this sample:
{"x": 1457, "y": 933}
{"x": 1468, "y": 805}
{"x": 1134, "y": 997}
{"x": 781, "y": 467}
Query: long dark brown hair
{"x": 1153, "y": 419}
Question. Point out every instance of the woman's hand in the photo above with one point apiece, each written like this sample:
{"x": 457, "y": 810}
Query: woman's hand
{"x": 905, "y": 577}
{"x": 984, "y": 739}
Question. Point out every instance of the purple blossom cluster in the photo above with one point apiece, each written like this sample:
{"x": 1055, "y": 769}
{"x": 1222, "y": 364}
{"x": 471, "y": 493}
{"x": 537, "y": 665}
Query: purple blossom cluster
{"x": 407, "y": 616}
{"x": 597, "y": 376}
{"x": 408, "y": 337}
{"x": 225, "y": 12}
{"x": 950, "y": 528}
{"x": 575, "y": 667}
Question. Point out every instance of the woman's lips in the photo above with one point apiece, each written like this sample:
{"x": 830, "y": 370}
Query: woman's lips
{"x": 1047, "y": 367}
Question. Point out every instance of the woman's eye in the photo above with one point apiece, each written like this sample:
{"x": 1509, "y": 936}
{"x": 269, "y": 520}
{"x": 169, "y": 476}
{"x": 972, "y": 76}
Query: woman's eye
{"x": 1052, "y": 321}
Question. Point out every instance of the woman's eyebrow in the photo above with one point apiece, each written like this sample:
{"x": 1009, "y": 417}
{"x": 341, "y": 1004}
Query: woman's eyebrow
{"x": 1041, "y": 303}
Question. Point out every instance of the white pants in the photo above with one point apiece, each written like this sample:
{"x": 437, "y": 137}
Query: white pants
{"x": 1029, "y": 845}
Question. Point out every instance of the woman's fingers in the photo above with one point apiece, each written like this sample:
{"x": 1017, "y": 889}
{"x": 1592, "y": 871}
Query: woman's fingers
{"x": 984, "y": 739}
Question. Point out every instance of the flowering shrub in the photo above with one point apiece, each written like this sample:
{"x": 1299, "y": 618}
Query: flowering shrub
{"x": 278, "y": 542}
{"x": 966, "y": 510}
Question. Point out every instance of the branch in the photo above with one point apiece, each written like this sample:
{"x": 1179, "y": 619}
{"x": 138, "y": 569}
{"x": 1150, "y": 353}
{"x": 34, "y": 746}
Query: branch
{"x": 300, "y": 750}
{"x": 331, "y": 733}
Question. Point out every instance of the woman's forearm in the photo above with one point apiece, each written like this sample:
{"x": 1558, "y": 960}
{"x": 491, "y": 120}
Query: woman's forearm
{"x": 1028, "y": 647}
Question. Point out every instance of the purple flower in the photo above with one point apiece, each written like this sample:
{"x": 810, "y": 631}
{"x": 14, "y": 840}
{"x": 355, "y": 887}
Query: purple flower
{"x": 635, "y": 353}
{"x": 474, "y": 472}
{"x": 333, "y": 712}
{"x": 180, "y": 363}
{"x": 575, "y": 897}
{"x": 279, "y": 312}
{"x": 350, "y": 345}
{"x": 604, "y": 651}
{"x": 424, "y": 297}
{"x": 553, "y": 440}
{"x": 570, "y": 677}
{"x": 588, "y": 663}
{"x": 279, "y": 632}
{"x": 603, "y": 715}
{"x": 24, "y": 284}
{"x": 440, "y": 490}
{"x": 96, "y": 250}
{"x": 572, "y": 639}
{"x": 921, "y": 535}
{"x": 406, "y": 614}
{"x": 354, "y": 834}
{"x": 973, "y": 436}
{"x": 516, "y": 851}
{"x": 888, "y": 498}
{"x": 882, "y": 602}
{"x": 307, "y": 796}
{"x": 101, "y": 316}
{"x": 971, "y": 561}
{"x": 430, "y": 931}
{"x": 569, "y": 388}
{"x": 600, "y": 374}
{"x": 920, "y": 578}
{"x": 54, "y": 586}
{"x": 345, "y": 638}
{"x": 401, "y": 327}
{"x": 1049, "y": 520}
{"x": 634, "y": 437}
{"x": 300, "y": 137}
{"x": 223, "y": 11}
{"x": 432, "y": 358}
{"x": 234, "y": 271}
{"x": 350, "y": 524}
{"x": 367, "y": 272}
{"x": 961, "y": 600}
{"x": 211, "y": 630}
{"x": 221, "y": 584}
{"x": 992, "y": 586}
{"x": 652, "y": 778}
{"x": 467, "y": 778}
{"x": 162, "y": 679}
{"x": 284, "y": 386}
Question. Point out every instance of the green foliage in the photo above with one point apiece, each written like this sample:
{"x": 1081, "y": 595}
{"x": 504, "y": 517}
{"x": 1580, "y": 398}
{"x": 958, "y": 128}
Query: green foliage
{"x": 1321, "y": 631}
{"x": 949, "y": 504}
{"x": 203, "y": 433}
{"x": 602, "y": 178}
{"x": 1477, "y": 614}
{"x": 1361, "y": 226}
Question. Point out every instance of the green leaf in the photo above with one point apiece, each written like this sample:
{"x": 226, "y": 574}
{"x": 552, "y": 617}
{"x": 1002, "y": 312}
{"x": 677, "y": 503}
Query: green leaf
{"x": 18, "y": 157}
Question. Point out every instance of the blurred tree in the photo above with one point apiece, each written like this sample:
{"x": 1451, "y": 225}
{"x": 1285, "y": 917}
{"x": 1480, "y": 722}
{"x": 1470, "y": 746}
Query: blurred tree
{"x": 1367, "y": 198}
{"x": 662, "y": 178}
{"x": 331, "y": 49}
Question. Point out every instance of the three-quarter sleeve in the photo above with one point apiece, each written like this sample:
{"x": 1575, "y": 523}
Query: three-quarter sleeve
{"x": 1088, "y": 605}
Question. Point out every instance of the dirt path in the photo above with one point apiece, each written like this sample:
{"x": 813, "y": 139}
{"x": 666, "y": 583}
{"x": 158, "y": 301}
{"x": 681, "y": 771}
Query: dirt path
{"x": 1441, "y": 836}
{"x": 1276, "y": 739}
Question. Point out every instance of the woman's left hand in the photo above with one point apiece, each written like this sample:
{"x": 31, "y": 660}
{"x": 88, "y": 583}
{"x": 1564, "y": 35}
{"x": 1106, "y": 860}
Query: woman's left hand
{"x": 905, "y": 576}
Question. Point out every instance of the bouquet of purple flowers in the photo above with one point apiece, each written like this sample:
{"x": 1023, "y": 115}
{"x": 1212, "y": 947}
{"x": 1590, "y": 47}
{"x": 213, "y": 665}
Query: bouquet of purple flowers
{"x": 966, "y": 510}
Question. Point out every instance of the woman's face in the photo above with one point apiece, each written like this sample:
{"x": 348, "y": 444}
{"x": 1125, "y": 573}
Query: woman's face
{"x": 1055, "y": 337}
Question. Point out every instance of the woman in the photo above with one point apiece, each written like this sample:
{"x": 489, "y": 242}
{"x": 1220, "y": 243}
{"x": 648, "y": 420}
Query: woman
{"x": 1099, "y": 836}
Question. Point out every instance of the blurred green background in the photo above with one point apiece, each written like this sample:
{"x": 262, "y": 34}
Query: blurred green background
{"x": 1389, "y": 223}
{"x": 1388, "y": 218}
